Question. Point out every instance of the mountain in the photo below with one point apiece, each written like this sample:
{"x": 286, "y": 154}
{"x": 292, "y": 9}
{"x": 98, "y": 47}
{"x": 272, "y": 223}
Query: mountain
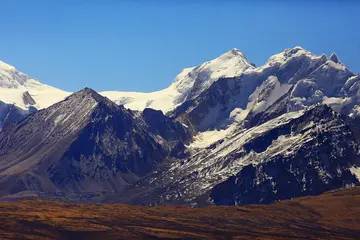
{"x": 85, "y": 143}
{"x": 190, "y": 83}
{"x": 267, "y": 135}
{"x": 307, "y": 79}
{"x": 296, "y": 154}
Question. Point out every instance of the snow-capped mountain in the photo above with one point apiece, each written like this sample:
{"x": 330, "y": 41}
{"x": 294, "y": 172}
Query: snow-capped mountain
{"x": 21, "y": 95}
{"x": 23, "y": 91}
{"x": 307, "y": 79}
{"x": 190, "y": 83}
{"x": 294, "y": 68}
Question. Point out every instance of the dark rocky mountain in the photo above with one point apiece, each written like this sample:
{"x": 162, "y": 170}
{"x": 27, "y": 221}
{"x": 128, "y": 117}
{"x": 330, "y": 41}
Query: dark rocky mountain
{"x": 85, "y": 143}
{"x": 323, "y": 162}
{"x": 297, "y": 154}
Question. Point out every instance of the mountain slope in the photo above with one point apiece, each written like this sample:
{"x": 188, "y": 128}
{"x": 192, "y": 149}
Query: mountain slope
{"x": 296, "y": 154}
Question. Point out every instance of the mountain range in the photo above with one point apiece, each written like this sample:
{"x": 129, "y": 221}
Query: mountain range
{"x": 225, "y": 132}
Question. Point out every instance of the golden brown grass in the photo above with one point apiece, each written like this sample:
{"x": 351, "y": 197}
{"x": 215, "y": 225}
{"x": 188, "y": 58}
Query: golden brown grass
{"x": 334, "y": 215}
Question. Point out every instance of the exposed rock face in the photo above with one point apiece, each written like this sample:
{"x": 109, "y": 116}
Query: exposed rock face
{"x": 28, "y": 100}
{"x": 321, "y": 163}
{"x": 162, "y": 125}
{"x": 173, "y": 133}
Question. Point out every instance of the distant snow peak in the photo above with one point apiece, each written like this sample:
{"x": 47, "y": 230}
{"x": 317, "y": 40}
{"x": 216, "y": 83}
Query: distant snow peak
{"x": 188, "y": 84}
{"x": 238, "y": 56}
{"x": 5, "y": 66}
{"x": 295, "y": 49}
{"x": 23, "y": 91}
{"x": 191, "y": 82}
{"x": 234, "y": 53}
{"x": 10, "y": 77}
{"x": 289, "y": 53}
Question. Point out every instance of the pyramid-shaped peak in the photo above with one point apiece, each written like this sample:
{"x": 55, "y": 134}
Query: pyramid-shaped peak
{"x": 334, "y": 58}
{"x": 89, "y": 92}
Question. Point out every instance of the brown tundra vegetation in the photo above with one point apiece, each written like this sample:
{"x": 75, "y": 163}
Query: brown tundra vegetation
{"x": 333, "y": 215}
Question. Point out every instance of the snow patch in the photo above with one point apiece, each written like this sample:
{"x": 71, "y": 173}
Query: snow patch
{"x": 267, "y": 94}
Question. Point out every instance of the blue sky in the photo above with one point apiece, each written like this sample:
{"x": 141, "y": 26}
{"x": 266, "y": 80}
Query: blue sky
{"x": 142, "y": 45}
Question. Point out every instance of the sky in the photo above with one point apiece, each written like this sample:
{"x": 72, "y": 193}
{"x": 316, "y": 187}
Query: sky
{"x": 141, "y": 45}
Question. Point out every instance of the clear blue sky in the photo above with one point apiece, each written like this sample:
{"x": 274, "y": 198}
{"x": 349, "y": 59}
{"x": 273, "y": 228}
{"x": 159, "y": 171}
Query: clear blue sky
{"x": 141, "y": 45}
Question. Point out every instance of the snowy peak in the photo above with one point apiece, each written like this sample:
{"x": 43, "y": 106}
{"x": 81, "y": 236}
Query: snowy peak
{"x": 188, "y": 84}
{"x": 290, "y": 53}
{"x": 234, "y": 53}
{"x": 191, "y": 82}
{"x": 10, "y": 77}
{"x": 229, "y": 64}
{"x": 24, "y": 92}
